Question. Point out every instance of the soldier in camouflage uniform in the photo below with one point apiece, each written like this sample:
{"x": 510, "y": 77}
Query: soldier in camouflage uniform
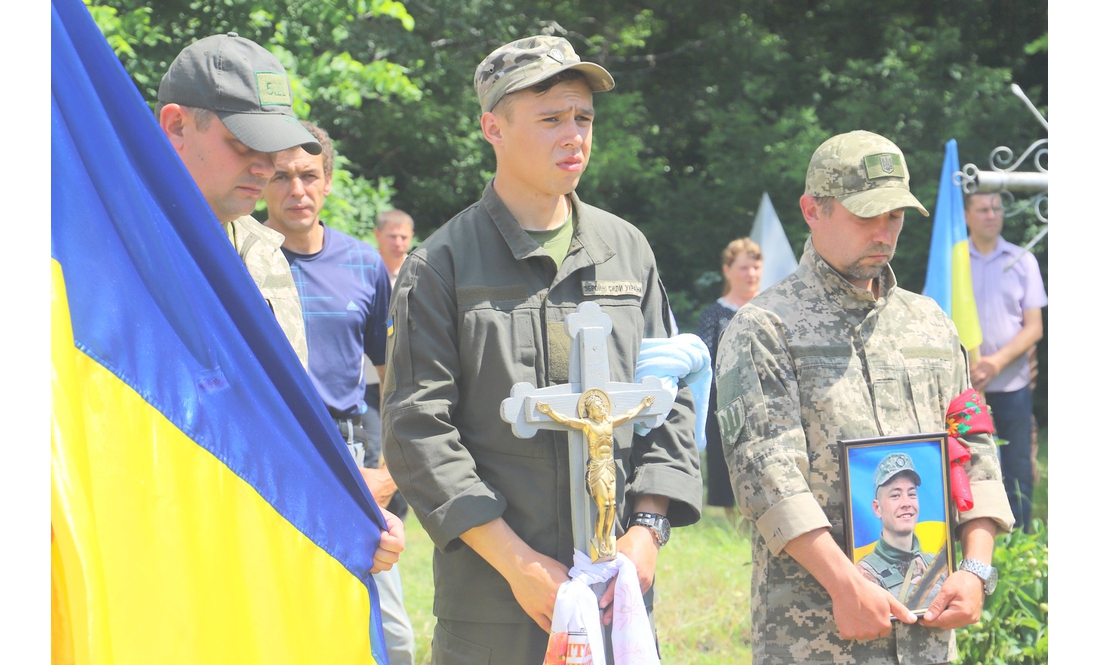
{"x": 897, "y": 556}
{"x": 225, "y": 105}
{"x": 838, "y": 351}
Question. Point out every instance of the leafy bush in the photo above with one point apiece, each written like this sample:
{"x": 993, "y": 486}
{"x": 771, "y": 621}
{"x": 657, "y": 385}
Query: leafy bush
{"x": 1013, "y": 627}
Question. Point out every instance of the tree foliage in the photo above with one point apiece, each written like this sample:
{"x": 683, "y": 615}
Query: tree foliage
{"x": 715, "y": 103}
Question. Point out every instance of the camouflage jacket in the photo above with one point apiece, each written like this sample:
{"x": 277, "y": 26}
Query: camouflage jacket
{"x": 261, "y": 250}
{"x": 808, "y": 362}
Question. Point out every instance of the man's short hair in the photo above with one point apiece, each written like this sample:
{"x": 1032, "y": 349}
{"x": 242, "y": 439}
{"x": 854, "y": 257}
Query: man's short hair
{"x": 394, "y": 216}
{"x": 328, "y": 154}
{"x": 504, "y": 106}
{"x": 825, "y": 204}
{"x": 203, "y": 117}
{"x": 971, "y": 195}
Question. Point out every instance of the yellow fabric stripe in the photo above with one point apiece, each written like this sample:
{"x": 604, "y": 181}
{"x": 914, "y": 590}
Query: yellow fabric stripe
{"x": 79, "y": 616}
{"x": 863, "y": 551}
{"x": 166, "y": 556}
{"x": 964, "y": 309}
{"x": 930, "y": 535}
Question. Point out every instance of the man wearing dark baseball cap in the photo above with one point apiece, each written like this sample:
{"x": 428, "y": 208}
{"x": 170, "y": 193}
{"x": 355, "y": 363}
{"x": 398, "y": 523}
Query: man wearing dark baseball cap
{"x": 839, "y": 351}
{"x": 225, "y": 106}
{"x": 480, "y": 306}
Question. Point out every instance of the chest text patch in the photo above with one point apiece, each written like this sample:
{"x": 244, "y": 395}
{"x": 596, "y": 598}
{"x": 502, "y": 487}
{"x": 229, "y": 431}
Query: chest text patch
{"x": 595, "y": 287}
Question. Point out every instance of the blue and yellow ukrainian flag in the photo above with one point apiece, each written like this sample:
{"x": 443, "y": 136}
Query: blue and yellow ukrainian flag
{"x": 948, "y": 278}
{"x": 204, "y": 509}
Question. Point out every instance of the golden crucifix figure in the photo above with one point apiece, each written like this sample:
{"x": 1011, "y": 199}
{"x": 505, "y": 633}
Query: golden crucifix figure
{"x": 598, "y": 425}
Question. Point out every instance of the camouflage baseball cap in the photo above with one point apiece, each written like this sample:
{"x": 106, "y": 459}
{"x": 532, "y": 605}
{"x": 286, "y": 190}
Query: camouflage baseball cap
{"x": 245, "y": 85}
{"x": 525, "y": 62}
{"x": 892, "y": 465}
{"x": 864, "y": 171}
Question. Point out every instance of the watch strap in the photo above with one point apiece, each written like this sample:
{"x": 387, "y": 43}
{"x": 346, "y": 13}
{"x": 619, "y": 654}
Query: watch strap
{"x": 656, "y": 523}
{"x": 985, "y": 572}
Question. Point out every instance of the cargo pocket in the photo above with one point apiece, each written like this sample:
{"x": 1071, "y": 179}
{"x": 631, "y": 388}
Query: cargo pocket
{"x": 927, "y": 369}
{"x": 453, "y": 650}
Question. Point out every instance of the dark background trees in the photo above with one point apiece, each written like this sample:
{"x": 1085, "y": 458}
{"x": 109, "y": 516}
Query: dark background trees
{"x": 715, "y": 103}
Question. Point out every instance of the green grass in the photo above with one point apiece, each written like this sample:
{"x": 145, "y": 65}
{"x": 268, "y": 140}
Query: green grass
{"x": 417, "y": 585}
{"x": 1039, "y": 493}
{"x": 702, "y": 607}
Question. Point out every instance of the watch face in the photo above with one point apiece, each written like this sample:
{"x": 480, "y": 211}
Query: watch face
{"x": 665, "y": 530}
{"x": 987, "y": 574}
{"x": 659, "y": 525}
{"x": 991, "y": 583}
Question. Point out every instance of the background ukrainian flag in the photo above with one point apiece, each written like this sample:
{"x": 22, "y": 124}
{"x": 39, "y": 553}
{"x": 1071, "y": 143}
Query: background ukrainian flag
{"x": 204, "y": 509}
{"x": 948, "y": 278}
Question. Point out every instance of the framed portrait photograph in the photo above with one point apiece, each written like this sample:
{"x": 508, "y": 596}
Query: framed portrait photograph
{"x": 898, "y": 514}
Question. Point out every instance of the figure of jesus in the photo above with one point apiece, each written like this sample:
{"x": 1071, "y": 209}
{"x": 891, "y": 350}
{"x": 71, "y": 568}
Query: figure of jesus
{"x": 597, "y": 424}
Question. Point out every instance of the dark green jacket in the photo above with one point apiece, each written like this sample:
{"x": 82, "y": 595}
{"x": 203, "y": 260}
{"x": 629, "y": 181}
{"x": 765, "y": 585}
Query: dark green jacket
{"x": 478, "y": 307}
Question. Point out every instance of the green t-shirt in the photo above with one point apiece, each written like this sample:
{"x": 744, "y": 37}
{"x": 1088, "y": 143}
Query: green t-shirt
{"x": 555, "y": 241}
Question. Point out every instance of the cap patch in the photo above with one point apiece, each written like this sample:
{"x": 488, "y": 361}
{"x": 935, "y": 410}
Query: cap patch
{"x": 274, "y": 88}
{"x": 884, "y": 165}
{"x": 556, "y": 55}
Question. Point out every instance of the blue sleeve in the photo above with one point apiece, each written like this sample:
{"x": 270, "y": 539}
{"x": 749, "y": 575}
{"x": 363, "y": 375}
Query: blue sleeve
{"x": 374, "y": 332}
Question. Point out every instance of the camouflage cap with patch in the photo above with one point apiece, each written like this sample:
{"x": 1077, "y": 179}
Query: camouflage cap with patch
{"x": 892, "y": 465}
{"x": 864, "y": 171}
{"x": 245, "y": 85}
{"x": 525, "y": 62}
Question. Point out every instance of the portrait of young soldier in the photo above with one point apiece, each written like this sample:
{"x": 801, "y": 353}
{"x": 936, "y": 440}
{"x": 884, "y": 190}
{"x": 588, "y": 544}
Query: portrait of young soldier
{"x": 897, "y": 563}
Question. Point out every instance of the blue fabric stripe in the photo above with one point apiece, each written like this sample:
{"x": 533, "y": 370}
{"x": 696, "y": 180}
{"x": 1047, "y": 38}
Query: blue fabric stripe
{"x": 948, "y": 229}
{"x": 158, "y": 296}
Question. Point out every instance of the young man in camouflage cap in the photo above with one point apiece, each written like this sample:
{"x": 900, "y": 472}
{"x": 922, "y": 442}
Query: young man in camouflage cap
{"x": 838, "y": 351}
{"x": 480, "y": 306}
{"x": 897, "y": 556}
{"x": 225, "y": 105}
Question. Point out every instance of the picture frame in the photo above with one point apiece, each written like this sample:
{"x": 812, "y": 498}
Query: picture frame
{"x": 898, "y": 517}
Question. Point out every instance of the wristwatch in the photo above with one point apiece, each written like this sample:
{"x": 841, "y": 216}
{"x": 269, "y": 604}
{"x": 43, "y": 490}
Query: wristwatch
{"x": 658, "y": 524}
{"x": 986, "y": 573}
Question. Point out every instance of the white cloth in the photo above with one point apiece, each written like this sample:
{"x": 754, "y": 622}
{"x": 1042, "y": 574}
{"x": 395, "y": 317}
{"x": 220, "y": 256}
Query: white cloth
{"x": 671, "y": 359}
{"x": 576, "y": 608}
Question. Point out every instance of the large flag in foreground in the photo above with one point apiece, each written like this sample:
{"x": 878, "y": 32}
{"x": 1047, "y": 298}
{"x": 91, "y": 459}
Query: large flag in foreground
{"x": 767, "y": 231}
{"x": 204, "y": 509}
{"x": 948, "y": 278}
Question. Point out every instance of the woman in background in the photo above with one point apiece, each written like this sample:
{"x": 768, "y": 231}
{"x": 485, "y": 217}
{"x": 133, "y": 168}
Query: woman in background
{"x": 742, "y": 267}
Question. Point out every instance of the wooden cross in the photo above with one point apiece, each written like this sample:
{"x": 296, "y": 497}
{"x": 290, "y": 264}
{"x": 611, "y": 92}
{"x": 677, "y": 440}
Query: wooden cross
{"x": 589, "y": 374}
